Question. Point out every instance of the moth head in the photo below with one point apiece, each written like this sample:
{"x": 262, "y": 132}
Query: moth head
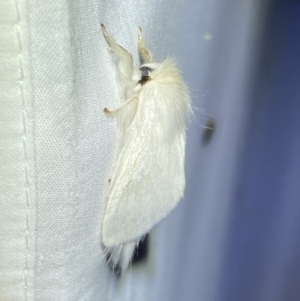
{"x": 146, "y": 71}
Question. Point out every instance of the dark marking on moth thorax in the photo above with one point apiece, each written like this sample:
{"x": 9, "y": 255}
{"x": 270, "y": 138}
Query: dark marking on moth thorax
{"x": 145, "y": 75}
{"x": 145, "y": 70}
{"x": 144, "y": 80}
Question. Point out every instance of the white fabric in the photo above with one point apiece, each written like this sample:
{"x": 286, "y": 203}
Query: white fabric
{"x": 57, "y": 147}
{"x": 17, "y": 158}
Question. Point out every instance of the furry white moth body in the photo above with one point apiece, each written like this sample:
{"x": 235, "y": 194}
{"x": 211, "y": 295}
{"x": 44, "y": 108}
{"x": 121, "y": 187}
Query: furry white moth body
{"x": 148, "y": 179}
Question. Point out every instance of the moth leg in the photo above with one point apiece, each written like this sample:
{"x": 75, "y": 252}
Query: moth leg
{"x": 122, "y": 106}
{"x": 124, "y": 65}
{"x": 144, "y": 52}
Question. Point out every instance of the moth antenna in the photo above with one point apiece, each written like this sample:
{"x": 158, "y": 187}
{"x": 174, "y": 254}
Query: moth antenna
{"x": 103, "y": 29}
{"x": 123, "y": 62}
{"x": 144, "y": 52}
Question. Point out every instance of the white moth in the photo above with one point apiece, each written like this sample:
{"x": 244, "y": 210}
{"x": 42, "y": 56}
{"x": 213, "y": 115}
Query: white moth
{"x": 148, "y": 179}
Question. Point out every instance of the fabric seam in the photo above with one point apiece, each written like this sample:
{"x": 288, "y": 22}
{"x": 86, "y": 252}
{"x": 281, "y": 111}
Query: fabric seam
{"x": 24, "y": 138}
